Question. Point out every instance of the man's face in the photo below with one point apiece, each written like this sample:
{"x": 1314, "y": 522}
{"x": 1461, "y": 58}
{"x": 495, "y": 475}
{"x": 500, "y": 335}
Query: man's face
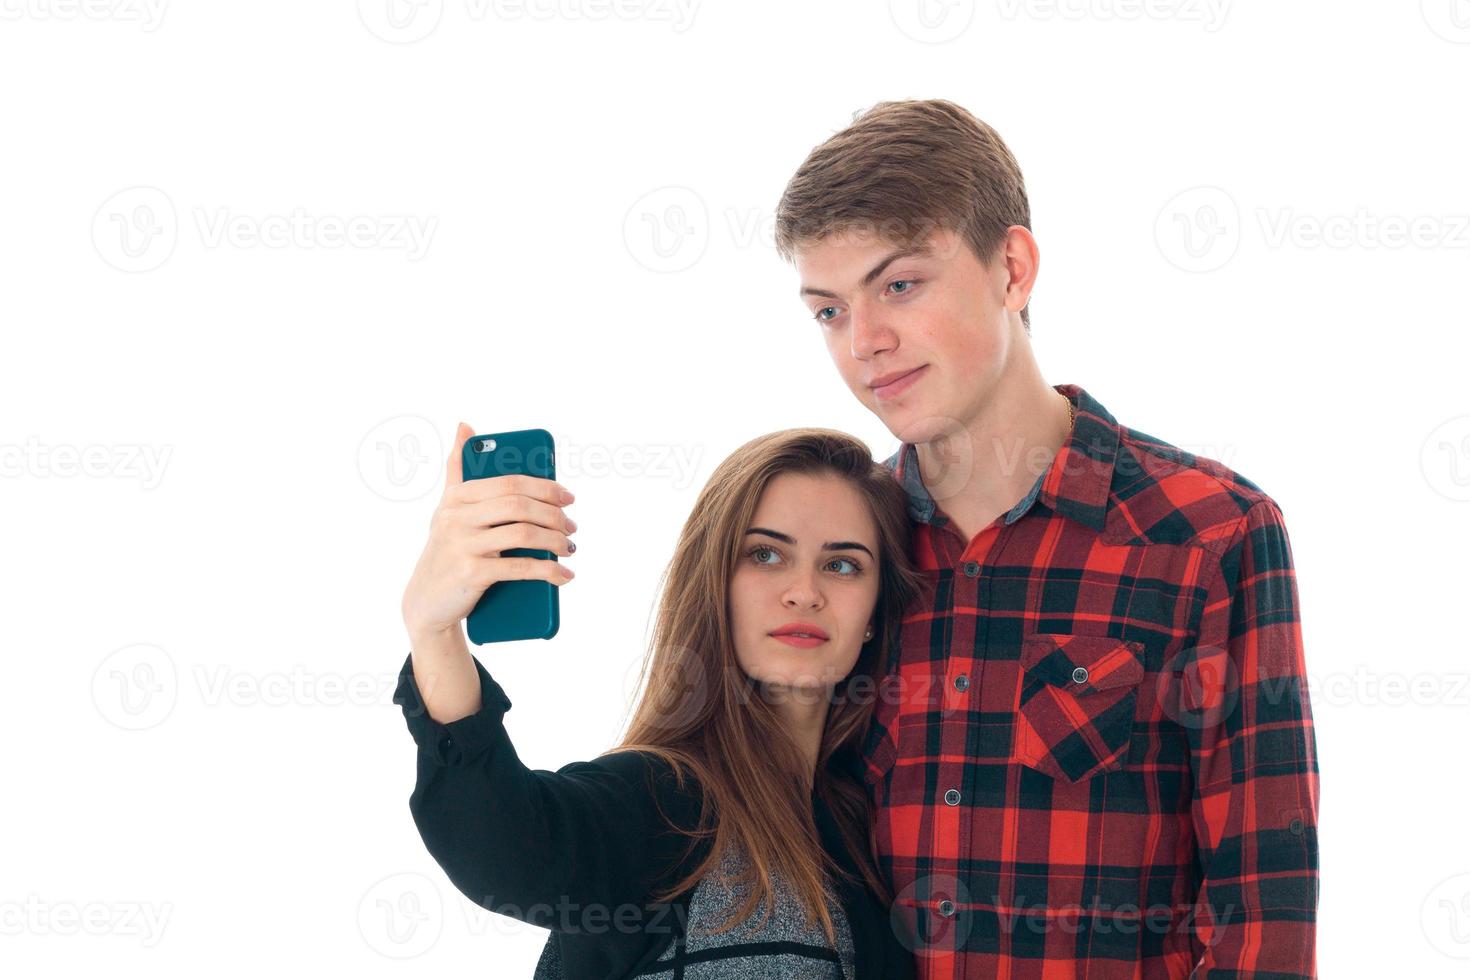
{"x": 938, "y": 314}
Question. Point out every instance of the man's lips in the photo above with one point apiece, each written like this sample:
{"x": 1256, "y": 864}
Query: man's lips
{"x": 886, "y": 379}
{"x": 899, "y": 383}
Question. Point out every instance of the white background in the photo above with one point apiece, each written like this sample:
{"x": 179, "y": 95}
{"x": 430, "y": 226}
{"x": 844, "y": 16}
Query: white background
{"x": 201, "y": 623}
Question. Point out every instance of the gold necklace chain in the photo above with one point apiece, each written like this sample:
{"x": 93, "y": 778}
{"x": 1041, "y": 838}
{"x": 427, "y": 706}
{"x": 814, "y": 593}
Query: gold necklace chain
{"x": 1071, "y": 414}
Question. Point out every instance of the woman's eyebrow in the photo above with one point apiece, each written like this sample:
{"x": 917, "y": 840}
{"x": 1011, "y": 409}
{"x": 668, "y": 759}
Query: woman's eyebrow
{"x": 826, "y": 546}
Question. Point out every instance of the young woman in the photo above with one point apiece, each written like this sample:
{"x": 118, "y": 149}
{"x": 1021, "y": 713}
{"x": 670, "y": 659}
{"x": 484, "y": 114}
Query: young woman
{"x": 737, "y": 787}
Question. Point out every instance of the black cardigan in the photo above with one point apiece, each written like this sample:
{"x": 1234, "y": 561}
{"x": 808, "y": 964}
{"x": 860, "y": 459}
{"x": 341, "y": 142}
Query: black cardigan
{"x": 580, "y": 850}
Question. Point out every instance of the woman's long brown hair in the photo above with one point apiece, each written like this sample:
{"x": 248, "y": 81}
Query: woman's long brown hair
{"x": 700, "y": 712}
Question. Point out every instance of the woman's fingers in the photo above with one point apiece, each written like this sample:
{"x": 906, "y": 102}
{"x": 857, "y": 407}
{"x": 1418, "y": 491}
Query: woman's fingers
{"x": 493, "y": 511}
{"x": 491, "y": 541}
{"x": 490, "y": 487}
{"x": 525, "y": 567}
{"x": 454, "y": 465}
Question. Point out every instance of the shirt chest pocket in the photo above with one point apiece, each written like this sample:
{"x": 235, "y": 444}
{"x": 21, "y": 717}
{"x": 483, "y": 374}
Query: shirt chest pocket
{"x": 1078, "y": 695}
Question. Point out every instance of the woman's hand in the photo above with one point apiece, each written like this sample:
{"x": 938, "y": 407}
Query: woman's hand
{"x": 475, "y": 521}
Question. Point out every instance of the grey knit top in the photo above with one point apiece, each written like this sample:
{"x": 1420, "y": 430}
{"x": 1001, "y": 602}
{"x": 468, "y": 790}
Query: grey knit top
{"x": 582, "y": 850}
{"x": 781, "y": 948}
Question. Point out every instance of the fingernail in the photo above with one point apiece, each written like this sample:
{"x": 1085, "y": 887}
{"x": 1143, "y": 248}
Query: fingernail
{"x": 566, "y": 496}
{"x": 571, "y": 546}
{"x": 571, "y": 525}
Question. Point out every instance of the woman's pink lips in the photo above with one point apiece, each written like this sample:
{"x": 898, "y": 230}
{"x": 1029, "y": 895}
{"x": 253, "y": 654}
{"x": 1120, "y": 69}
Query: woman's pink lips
{"x": 805, "y": 642}
{"x": 895, "y": 388}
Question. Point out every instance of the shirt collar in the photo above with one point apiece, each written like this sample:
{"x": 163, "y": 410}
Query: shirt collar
{"x": 1075, "y": 485}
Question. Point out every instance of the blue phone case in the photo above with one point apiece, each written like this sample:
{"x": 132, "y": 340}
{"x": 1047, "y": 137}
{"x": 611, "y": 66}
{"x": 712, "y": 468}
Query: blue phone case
{"x": 516, "y": 609}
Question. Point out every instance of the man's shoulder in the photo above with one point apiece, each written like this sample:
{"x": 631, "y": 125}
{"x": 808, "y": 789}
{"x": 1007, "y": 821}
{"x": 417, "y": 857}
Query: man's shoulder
{"x": 1164, "y": 494}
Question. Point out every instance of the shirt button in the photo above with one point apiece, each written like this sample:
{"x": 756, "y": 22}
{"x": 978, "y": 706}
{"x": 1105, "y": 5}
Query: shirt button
{"x": 962, "y": 682}
{"x": 1080, "y": 675}
{"x": 1296, "y": 827}
{"x": 946, "y": 908}
{"x": 952, "y": 797}
{"x": 972, "y": 568}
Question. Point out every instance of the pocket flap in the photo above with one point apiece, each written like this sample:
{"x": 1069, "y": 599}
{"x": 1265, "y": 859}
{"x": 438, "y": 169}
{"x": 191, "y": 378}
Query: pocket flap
{"x": 1108, "y": 662}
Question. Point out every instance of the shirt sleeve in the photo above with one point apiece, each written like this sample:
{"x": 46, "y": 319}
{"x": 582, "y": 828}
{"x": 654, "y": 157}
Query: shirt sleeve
{"x": 1254, "y": 760}
{"x": 571, "y": 849}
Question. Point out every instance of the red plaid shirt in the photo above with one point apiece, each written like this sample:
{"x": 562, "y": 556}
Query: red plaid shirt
{"x": 1093, "y": 754}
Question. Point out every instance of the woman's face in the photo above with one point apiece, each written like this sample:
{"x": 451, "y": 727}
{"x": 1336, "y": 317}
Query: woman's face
{"x": 812, "y": 560}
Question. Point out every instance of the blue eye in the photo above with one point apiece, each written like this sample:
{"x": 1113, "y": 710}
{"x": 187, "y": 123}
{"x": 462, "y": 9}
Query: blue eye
{"x": 911, "y": 283}
{"x": 856, "y": 567}
{"x": 752, "y": 551}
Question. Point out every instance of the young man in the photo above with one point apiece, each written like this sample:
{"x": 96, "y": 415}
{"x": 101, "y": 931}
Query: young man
{"x": 1093, "y": 754}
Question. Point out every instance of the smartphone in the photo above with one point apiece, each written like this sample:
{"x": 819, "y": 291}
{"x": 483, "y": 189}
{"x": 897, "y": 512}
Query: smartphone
{"x": 517, "y": 609}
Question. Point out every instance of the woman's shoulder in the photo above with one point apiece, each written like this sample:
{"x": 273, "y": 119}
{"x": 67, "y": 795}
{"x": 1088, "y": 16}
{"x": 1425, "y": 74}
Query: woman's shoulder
{"x": 675, "y": 792}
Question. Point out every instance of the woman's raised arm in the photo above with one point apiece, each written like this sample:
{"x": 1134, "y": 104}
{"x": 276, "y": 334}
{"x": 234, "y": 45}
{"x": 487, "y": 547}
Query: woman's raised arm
{"x": 581, "y": 848}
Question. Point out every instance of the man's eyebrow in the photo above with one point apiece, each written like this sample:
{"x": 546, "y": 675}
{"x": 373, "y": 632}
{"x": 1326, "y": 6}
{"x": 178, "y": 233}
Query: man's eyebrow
{"x": 826, "y": 546}
{"x": 875, "y": 272}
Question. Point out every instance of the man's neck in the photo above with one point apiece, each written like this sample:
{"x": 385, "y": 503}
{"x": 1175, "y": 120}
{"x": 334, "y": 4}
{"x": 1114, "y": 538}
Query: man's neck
{"x": 985, "y": 469}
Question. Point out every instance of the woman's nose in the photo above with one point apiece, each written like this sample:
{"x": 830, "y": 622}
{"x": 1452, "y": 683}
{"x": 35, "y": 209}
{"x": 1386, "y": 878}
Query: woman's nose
{"x": 803, "y": 594}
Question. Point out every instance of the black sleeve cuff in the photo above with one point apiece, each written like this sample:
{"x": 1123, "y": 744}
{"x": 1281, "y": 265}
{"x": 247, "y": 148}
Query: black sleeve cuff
{"x": 460, "y": 742}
